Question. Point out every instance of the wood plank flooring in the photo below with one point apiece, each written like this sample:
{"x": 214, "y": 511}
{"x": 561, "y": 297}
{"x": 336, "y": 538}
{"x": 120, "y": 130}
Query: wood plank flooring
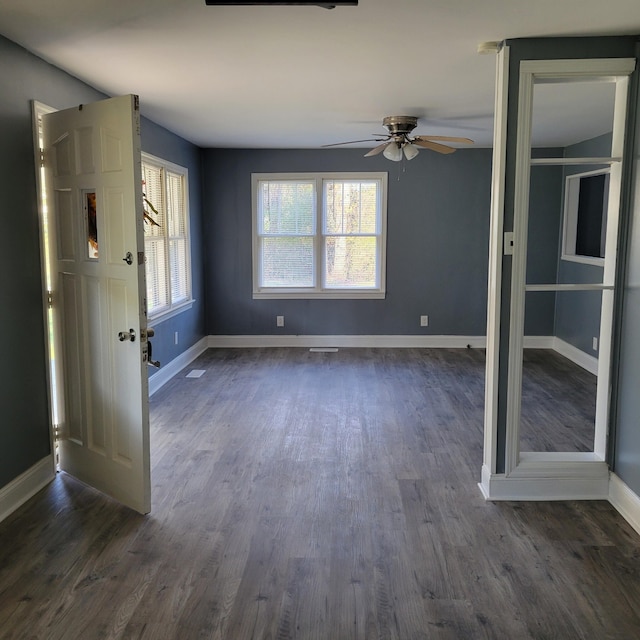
{"x": 302, "y": 495}
{"x": 558, "y": 403}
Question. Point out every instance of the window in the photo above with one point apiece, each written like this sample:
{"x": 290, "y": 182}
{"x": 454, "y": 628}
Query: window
{"x": 319, "y": 235}
{"x": 166, "y": 243}
{"x": 585, "y": 216}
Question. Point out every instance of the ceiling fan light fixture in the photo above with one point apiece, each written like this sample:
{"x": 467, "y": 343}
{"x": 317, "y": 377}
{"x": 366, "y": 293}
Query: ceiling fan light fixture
{"x": 410, "y": 151}
{"x": 393, "y": 151}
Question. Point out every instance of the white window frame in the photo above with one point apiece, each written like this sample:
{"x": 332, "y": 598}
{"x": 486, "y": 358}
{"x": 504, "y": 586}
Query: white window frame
{"x": 173, "y": 308}
{"x": 570, "y": 217}
{"x": 319, "y": 290}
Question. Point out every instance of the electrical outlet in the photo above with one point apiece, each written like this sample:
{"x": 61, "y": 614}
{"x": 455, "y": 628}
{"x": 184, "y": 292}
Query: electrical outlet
{"x": 279, "y": 321}
{"x": 424, "y": 321}
{"x": 595, "y": 344}
{"x": 175, "y": 338}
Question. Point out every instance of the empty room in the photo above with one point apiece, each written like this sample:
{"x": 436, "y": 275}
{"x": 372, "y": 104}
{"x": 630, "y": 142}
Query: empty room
{"x": 320, "y": 320}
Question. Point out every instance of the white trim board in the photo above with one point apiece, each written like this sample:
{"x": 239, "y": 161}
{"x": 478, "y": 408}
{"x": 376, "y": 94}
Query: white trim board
{"x": 625, "y": 501}
{"x": 26, "y": 485}
{"x": 382, "y": 341}
{"x": 590, "y": 483}
{"x": 167, "y": 371}
{"x": 577, "y": 356}
{"x": 498, "y": 487}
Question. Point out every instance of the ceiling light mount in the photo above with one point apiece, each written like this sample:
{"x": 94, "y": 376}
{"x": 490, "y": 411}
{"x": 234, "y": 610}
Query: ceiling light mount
{"x": 266, "y": 3}
{"x": 400, "y": 125}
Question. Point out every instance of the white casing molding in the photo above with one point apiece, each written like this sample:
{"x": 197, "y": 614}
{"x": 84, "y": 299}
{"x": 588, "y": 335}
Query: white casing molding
{"x": 625, "y": 501}
{"x": 393, "y": 342}
{"x": 26, "y": 485}
{"x": 167, "y": 371}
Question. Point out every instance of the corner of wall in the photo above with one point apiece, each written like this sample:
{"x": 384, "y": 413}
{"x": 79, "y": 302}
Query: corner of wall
{"x": 26, "y": 485}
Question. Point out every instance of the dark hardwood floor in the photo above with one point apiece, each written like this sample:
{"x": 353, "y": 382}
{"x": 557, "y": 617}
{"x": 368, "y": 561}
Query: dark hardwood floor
{"x": 326, "y": 496}
{"x": 558, "y": 403}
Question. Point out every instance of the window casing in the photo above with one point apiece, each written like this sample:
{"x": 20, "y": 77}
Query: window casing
{"x": 168, "y": 261}
{"x": 585, "y": 217}
{"x": 319, "y": 235}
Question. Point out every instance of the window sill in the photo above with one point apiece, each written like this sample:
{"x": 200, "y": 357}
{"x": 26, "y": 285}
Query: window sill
{"x": 165, "y": 315}
{"x": 596, "y": 262}
{"x": 321, "y": 295}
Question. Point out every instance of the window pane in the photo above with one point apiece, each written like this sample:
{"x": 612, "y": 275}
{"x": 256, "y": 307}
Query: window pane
{"x": 176, "y": 205}
{"x": 152, "y": 190}
{"x": 91, "y": 214}
{"x": 287, "y": 262}
{"x": 286, "y": 208}
{"x": 590, "y": 230}
{"x": 179, "y": 280}
{"x": 351, "y": 206}
{"x": 156, "y": 260}
{"x": 351, "y": 262}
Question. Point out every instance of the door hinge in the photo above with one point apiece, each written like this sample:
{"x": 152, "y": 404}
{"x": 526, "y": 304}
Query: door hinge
{"x": 41, "y": 157}
{"x": 50, "y": 299}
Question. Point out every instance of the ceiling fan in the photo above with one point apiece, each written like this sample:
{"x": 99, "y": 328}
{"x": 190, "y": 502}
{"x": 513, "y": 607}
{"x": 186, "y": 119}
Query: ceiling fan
{"x": 398, "y": 141}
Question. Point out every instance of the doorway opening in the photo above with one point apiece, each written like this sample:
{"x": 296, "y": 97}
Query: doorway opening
{"x": 51, "y": 340}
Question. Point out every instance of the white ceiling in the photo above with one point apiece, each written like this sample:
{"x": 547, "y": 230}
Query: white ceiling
{"x": 301, "y": 77}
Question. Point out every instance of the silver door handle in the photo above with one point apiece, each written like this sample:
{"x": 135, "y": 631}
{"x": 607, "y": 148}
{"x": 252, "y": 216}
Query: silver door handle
{"x": 150, "y": 360}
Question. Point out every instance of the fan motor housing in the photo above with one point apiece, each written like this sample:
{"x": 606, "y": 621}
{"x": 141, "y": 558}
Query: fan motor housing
{"x": 400, "y": 125}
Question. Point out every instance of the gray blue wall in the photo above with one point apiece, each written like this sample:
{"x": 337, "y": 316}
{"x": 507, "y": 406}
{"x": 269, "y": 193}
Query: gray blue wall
{"x": 542, "y": 243}
{"x": 189, "y": 324}
{"x": 437, "y": 248}
{"x": 626, "y": 462}
{"x": 24, "y": 412}
{"x": 578, "y": 313}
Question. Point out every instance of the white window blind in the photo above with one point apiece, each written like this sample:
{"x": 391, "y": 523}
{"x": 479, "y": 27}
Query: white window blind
{"x": 319, "y": 235}
{"x": 167, "y": 243}
{"x": 286, "y": 230}
{"x": 351, "y": 233}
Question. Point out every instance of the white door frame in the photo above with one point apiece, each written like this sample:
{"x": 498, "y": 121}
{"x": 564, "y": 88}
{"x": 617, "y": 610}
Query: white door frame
{"x": 537, "y": 475}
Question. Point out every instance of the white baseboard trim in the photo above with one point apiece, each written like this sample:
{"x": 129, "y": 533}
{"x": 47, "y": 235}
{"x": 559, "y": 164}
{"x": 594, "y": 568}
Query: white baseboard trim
{"x": 167, "y": 371}
{"x": 592, "y": 486}
{"x": 382, "y": 341}
{"x": 625, "y": 501}
{"x": 26, "y": 485}
{"x": 579, "y": 357}
{"x": 538, "y": 342}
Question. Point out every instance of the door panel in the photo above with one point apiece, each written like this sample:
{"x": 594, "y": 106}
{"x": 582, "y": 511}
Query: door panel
{"x": 92, "y": 156}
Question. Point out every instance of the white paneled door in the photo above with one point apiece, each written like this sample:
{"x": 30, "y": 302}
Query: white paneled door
{"x": 94, "y": 200}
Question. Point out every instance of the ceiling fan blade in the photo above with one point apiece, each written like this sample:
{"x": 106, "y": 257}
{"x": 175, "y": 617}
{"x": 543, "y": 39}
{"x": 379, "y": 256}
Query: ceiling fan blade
{"x": 337, "y": 144}
{"x": 379, "y": 149}
{"x": 434, "y": 146}
{"x": 446, "y": 139}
